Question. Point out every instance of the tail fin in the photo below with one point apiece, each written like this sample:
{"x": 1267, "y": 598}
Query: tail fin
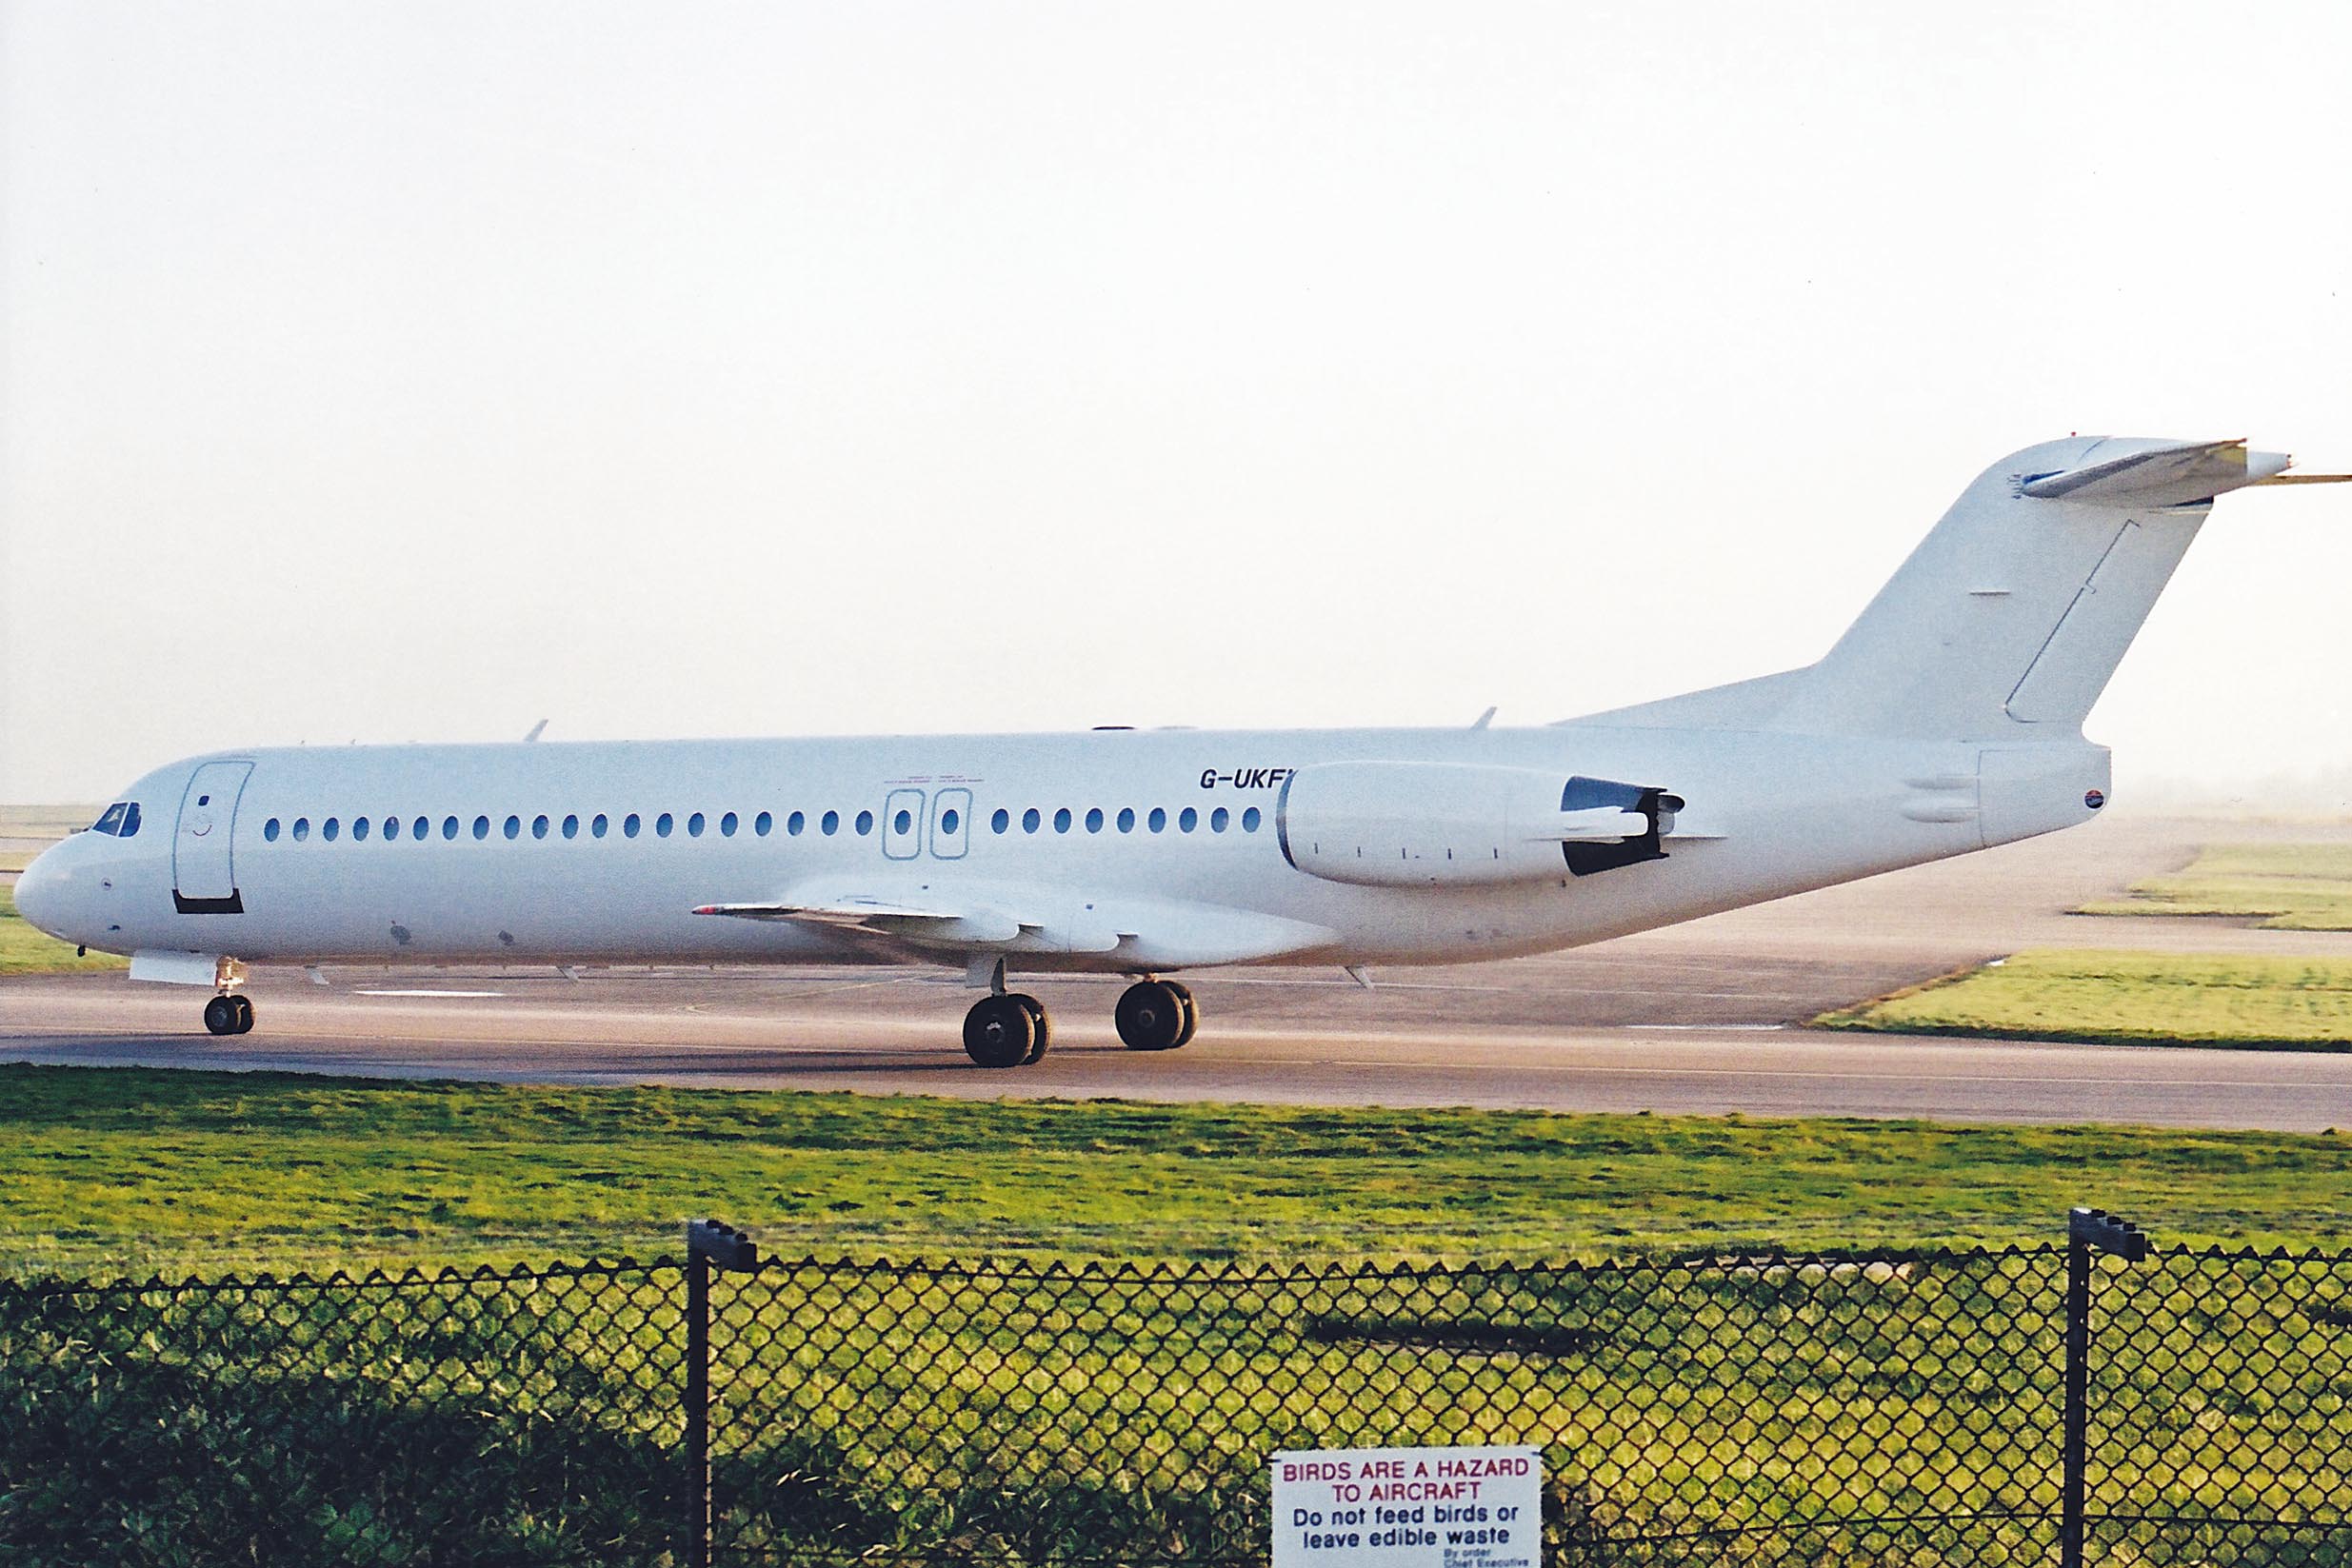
{"x": 2008, "y": 620}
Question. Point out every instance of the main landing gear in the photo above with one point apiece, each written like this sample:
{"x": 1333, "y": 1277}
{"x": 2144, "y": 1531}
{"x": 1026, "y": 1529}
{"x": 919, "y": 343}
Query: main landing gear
{"x": 1009, "y": 1029}
{"x": 1156, "y": 1015}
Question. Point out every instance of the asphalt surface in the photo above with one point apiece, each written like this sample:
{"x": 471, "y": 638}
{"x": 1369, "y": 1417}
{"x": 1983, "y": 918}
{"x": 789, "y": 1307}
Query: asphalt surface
{"x": 1701, "y": 1017}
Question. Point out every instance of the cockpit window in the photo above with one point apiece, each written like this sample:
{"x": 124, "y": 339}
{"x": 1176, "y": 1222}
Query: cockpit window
{"x": 120, "y": 821}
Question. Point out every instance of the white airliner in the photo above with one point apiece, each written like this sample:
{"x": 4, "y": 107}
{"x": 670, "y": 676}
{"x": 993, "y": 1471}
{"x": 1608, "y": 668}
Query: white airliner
{"x": 1947, "y": 719}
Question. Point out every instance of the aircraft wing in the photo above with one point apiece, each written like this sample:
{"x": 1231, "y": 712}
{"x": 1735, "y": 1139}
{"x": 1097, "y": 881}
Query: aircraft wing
{"x": 943, "y": 924}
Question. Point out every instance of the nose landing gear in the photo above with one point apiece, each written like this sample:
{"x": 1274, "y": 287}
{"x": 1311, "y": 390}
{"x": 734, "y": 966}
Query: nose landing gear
{"x": 230, "y": 1012}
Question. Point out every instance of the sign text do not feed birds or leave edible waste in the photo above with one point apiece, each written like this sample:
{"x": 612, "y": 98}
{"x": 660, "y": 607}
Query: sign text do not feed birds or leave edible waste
{"x": 1408, "y": 1508}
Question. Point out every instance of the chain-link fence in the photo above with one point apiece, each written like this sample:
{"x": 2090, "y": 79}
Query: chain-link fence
{"x": 1898, "y": 1408}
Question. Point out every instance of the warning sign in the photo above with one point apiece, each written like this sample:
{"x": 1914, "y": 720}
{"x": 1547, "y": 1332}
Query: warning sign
{"x": 1408, "y": 1508}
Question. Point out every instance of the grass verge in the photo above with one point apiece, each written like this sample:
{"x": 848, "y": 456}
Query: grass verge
{"x": 2284, "y": 887}
{"x": 114, "y": 1170}
{"x": 2134, "y": 999}
{"x": 25, "y": 952}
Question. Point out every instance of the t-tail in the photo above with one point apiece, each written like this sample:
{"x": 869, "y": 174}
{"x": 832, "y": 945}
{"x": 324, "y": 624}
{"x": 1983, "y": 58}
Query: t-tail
{"x": 2010, "y": 619}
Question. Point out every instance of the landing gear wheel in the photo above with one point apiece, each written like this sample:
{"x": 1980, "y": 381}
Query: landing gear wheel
{"x": 1000, "y": 1032}
{"x": 245, "y": 1015}
{"x": 1036, "y": 1010}
{"x": 1151, "y": 1016}
{"x": 220, "y": 1015}
{"x": 1192, "y": 1012}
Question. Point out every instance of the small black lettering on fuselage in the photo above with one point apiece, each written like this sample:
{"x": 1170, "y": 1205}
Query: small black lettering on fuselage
{"x": 1243, "y": 778}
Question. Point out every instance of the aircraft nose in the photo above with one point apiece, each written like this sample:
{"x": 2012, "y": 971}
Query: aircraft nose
{"x": 41, "y": 892}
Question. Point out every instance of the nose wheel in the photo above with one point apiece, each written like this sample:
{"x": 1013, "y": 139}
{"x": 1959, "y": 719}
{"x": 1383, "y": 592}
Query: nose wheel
{"x": 1156, "y": 1015}
{"x": 228, "y": 1014}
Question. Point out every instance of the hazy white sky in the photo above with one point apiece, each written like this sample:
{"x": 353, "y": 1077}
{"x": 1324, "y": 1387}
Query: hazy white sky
{"x": 410, "y": 371}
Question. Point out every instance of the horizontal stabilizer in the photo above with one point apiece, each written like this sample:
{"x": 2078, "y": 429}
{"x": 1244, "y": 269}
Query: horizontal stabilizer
{"x": 2159, "y": 476}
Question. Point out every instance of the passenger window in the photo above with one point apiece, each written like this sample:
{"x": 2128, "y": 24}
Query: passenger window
{"x": 1249, "y": 820}
{"x": 359, "y": 830}
{"x": 628, "y": 826}
{"x": 663, "y": 824}
{"x": 1029, "y": 820}
{"x": 539, "y": 826}
{"x": 481, "y": 827}
{"x": 763, "y": 824}
{"x": 598, "y": 827}
{"x": 1218, "y": 818}
{"x": 329, "y": 828}
{"x": 110, "y": 822}
{"x": 1002, "y": 821}
{"x": 865, "y": 823}
{"x": 694, "y": 825}
{"x": 1094, "y": 819}
{"x": 391, "y": 828}
{"x": 269, "y": 831}
{"x": 726, "y": 826}
{"x": 1157, "y": 822}
{"x": 950, "y": 821}
{"x": 571, "y": 827}
{"x": 794, "y": 823}
{"x": 1187, "y": 819}
{"x": 417, "y": 829}
{"x": 1127, "y": 819}
{"x": 1061, "y": 820}
{"x": 830, "y": 822}
{"x": 448, "y": 828}
{"x": 302, "y": 828}
{"x": 904, "y": 822}
{"x": 514, "y": 827}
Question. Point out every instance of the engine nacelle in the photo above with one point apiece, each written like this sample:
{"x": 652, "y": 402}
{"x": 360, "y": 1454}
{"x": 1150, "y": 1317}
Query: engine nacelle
{"x": 1456, "y": 824}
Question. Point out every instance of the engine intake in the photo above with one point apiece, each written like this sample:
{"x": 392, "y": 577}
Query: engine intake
{"x": 1453, "y": 824}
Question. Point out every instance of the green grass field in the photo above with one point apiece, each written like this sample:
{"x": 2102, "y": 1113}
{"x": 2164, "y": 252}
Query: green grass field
{"x": 108, "y": 1171}
{"x": 2140, "y": 998}
{"x": 25, "y": 952}
{"x": 1044, "y": 1411}
{"x": 2284, "y": 887}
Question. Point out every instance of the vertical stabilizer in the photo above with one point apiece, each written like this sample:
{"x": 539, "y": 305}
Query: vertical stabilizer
{"x": 2008, "y": 620}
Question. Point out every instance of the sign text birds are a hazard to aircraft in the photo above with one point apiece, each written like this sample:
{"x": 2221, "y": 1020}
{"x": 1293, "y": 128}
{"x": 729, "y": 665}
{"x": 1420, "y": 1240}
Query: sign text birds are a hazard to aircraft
{"x": 1408, "y": 1508}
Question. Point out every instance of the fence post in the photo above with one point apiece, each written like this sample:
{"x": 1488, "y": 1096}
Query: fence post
{"x": 709, "y": 1245}
{"x": 2086, "y": 1229}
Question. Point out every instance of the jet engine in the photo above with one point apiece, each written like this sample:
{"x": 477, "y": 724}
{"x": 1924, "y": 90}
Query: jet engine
{"x": 1452, "y": 824}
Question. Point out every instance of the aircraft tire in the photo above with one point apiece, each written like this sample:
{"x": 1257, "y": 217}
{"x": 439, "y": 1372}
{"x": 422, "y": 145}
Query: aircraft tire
{"x": 1036, "y": 1010}
{"x": 999, "y": 1032}
{"x": 1192, "y": 1012}
{"x": 220, "y": 1015}
{"x": 1150, "y": 1015}
{"x": 245, "y": 1014}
